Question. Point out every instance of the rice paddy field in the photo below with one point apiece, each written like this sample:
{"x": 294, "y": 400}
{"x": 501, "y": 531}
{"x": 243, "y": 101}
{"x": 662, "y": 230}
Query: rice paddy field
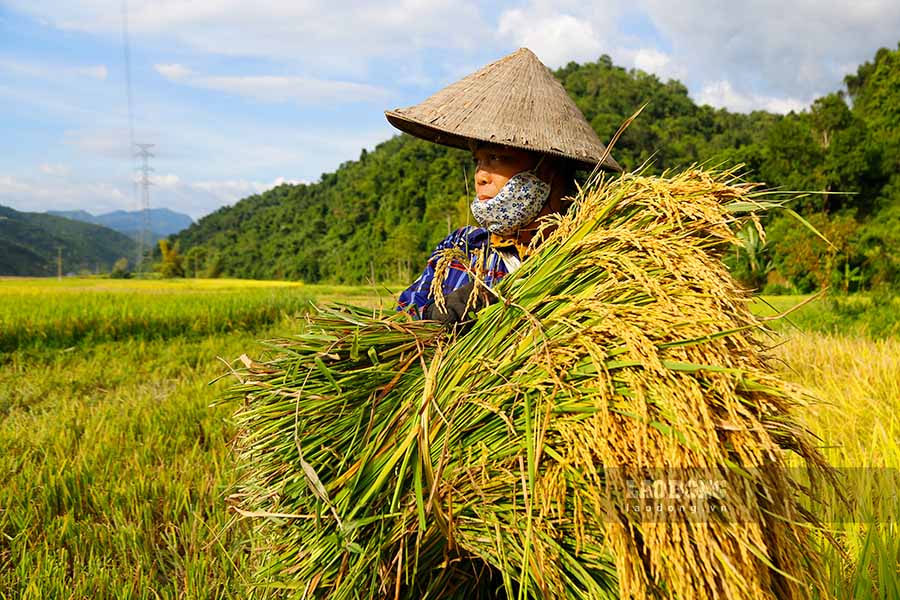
{"x": 116, "y": 461}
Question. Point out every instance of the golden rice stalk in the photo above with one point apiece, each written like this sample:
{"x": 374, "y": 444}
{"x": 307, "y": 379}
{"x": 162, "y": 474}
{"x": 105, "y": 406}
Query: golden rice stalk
{"x": 518, "y": 458}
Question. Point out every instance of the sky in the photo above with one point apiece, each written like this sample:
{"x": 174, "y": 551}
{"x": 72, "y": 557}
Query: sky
{"x": 239, "y": 96}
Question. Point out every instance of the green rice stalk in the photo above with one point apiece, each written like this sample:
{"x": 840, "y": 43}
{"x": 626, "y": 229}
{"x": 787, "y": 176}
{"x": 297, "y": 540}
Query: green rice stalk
{"x": 382, "y": 459}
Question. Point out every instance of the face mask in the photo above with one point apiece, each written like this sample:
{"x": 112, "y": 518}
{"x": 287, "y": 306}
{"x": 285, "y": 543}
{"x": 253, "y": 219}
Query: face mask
{"x": 515, "y": 206}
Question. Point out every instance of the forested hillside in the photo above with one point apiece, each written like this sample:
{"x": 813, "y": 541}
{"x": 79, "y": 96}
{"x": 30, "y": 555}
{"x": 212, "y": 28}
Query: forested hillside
{"x": 380, "y": 215}
{"x": 30, "y": 243}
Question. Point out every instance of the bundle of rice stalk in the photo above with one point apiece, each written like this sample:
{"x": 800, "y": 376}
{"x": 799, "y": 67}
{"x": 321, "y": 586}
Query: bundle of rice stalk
{"x": 609, "y": 428}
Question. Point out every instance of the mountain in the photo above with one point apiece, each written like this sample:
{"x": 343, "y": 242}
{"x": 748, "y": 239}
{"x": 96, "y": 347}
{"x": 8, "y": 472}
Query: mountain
{"x": 380, "y": 216}
{"x": 163, "y": 222}
{"x": 29, "y": 243}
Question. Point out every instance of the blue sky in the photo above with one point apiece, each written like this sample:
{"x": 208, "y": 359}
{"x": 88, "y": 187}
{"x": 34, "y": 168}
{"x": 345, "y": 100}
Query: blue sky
{"x": 238, "y": 96}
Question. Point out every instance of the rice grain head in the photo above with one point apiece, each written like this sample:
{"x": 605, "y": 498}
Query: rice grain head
{"x": 621, "y": 351}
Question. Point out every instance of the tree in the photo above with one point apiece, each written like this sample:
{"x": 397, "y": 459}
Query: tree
{"x": 750, "y": 262}
{"x": 213, "y": 267}
{"x": 195, "y": 261}
{"x": 807, "y": 261}
{"x": 171, "y": 262}
{"x": 829, "y": 114}
{"x": 120, "y": 269}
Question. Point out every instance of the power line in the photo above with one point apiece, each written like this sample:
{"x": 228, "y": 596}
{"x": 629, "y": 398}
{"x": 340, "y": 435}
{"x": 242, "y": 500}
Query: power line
{"x": 126, "y": 50}
{"x": 136, "y": 150}
{"x": 126, "y": 55}
{"x": 145, "y": 155}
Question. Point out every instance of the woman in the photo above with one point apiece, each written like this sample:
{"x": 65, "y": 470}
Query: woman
{"x": 527, "y": 138}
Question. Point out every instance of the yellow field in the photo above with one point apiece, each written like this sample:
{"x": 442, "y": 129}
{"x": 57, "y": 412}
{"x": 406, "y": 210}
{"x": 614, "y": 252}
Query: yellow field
{"x": 116, "y": 469}
{"x": 36, "y": 286}
{"x": 856, "y": 383}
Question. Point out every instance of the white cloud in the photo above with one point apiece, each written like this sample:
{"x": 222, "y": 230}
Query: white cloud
{"x": 270, "y": 88}
{"x": 98, "y": 72}
{"x": 556, "y": 39}
{"x": 109, "y": 143}
{"x": 282, "y": 180}
{"x": 173, "y": 72}
{"x": 53, "y": 193}
{"x": 19, "y": 67}
{"x": 37, "y": 100}
{"x": 297, "y": 89}
{"x": 199, "y": 198}
{"x": 231, "y": 190}
{"x": 721, "y": 94}
{"x": 563, "y": 31}
{"x": 10, "y": 186}
{"x": 772, "y": 48}
{"x": 783, "y": 105}
{"x": 651, "y": 60}
{"x": 323, "y": 35}
{"x": 55, "y": 170}
{"x": 168, "y": 180}
{"x": 246, "y": 148}
{"x": 766, "y": 47}
{"x": 771, "y": 53}
{"x": 52, "y": 71}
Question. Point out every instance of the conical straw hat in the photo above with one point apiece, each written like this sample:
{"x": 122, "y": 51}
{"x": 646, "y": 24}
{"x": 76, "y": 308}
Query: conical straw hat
{"x": 515, "y": 101}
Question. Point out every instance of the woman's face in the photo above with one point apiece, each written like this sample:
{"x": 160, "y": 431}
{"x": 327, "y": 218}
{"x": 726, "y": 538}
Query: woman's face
{"x": 495, "y": 165}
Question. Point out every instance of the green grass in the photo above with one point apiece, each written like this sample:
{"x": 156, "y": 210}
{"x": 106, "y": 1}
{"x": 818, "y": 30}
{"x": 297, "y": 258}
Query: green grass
{"x": 874, "y": 316}
{"x": 116, "y": 469}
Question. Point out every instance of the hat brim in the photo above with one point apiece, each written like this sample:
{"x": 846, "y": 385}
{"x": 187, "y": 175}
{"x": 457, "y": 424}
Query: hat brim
{"x": 438, "y": 136}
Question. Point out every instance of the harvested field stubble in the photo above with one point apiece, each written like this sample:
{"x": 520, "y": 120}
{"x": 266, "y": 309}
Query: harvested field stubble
{"x": 383, "y": 458}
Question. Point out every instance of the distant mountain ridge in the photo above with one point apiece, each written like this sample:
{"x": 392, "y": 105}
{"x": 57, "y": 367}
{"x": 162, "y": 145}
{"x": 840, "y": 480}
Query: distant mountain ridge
{"x": 29, "y": 243}
{"x": 163, "y": 221}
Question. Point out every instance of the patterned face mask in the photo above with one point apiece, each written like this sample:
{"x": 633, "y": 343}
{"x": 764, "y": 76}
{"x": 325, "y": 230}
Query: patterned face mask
{"x": 515, "y": 206}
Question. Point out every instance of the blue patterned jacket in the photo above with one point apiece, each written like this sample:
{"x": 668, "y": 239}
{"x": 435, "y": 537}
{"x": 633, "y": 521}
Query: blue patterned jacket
{"x": 473, "y": 241}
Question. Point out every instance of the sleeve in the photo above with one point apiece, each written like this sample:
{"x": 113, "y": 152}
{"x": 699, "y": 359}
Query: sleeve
{"x": 417, "y": 297}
